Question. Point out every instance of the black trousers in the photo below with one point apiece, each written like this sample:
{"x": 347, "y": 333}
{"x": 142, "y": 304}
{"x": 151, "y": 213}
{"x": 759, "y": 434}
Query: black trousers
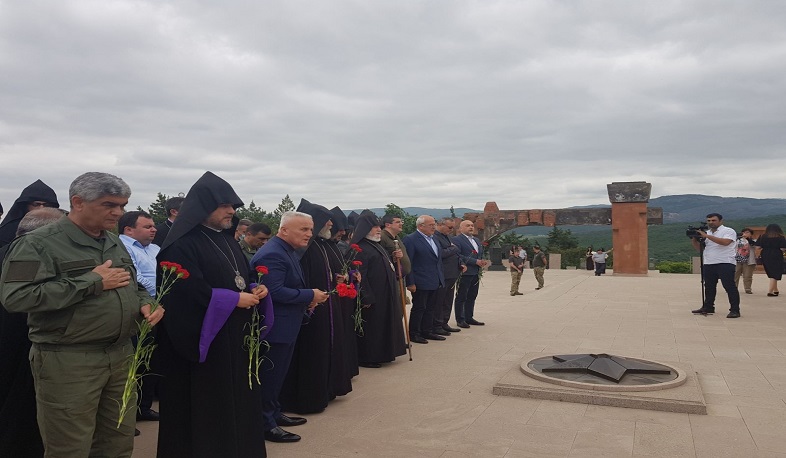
{"x": 421, "y": 316}
{"x": 725, "y": 273}
{"x": 444, "y": 305}
{"x": 465, "y": 298}
{"x": 274, "y": 371}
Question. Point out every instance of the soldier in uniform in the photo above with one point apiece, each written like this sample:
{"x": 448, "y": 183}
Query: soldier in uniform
{"x": 257, "y": 235}
{"x": 78, "y": 285}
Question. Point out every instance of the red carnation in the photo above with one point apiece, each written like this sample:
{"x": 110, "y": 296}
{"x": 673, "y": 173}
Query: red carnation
{"x": 474, "y": 252}
{"x": 351, "y": 292}
{"x": 357, "y": 263}
{"x": 345, "y": 290}
{"x": 356, "y": 247}
{"x": 182, "y": 273}
{"x": 262, "y": 270}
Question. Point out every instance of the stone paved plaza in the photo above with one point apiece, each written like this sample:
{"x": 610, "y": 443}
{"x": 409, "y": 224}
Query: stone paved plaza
{"x": 440, "y": 404}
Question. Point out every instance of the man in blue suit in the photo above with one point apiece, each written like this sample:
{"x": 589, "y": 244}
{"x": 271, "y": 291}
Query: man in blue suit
{"x": 291, "y": 299}
{"x": 471, "y": 255}
{"x": 423, "y": 281}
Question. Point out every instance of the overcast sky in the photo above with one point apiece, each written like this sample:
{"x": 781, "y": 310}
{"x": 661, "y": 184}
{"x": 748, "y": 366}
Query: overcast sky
{"x": 533, "y": 104}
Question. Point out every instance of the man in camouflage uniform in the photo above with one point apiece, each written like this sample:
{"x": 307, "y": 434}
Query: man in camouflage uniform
{"x": 78, "y": 284}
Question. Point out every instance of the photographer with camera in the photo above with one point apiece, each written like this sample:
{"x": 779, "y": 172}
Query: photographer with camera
{"x": 717, "y": 244}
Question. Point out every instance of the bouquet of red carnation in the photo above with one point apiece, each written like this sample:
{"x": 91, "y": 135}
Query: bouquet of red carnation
{"x": 354, "y": 249}
{"x": 252, "y": 341}
{"x": 171, "y": 272}
{"x": 346, "y": 290}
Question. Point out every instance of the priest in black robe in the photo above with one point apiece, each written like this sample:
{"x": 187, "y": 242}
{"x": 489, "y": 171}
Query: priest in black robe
{"x": 36, "y": 195}
{"x": 318, "y": 370}
{"x": 382, "y": 337}
{"x": 207, "y": 407}
{"x": 19, "y": 433}
{"x": 336, "y": 252}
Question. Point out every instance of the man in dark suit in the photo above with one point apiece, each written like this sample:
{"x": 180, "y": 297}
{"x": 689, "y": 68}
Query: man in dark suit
{"x": 424, "y": 280}
{"x": 452, "y": 268}
{"x": 291, "y": 299}
{"x": 172, "y": 207}
{"x": 471, "y": 255}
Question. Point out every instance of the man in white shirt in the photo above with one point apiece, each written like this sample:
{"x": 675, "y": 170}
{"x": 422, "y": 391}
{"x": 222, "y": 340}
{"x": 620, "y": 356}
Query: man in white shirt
{"x": 137, "y": 231}
{"x": 719, "y": 264}
{"x": 523, "y": 256}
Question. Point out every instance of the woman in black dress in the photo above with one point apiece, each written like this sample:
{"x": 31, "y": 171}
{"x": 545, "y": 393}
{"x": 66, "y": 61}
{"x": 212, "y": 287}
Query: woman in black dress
{"x": 590, "y": 265}
{"x": 772, "y": 244}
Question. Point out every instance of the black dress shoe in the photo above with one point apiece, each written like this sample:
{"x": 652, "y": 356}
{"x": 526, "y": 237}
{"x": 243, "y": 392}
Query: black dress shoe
{"x": 279, "y": 435}
{"x": 449, "y": 329}
{"x": 440, "y": 332}
{"x": 418, "y": 339}
{"x": 431, "y": 336}
{"x": 147, "y": 415}
{"x": 703, "y": 311}
{"x": 462, "y": 324}
{"x": 137, "y": 432}
{"x": 370, "y": 365}
{"x": 733, "y": 315}
{"x": 474, "y": 322}
{"x": 284, "y": 420}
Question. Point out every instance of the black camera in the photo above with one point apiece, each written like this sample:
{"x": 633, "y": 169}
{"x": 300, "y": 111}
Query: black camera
{"x": 693, "y": 232}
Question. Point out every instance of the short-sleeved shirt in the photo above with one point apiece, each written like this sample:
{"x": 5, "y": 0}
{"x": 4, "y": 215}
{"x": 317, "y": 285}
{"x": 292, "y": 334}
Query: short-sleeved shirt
{"x": 715, "y": 253}
{"x": 539, "y": 259}
{"x": 514, "y": 260}
{"x": 599, "y": 258}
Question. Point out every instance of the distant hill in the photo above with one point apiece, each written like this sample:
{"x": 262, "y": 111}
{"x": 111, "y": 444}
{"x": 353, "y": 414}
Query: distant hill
{"x": 694, "y": 207}
{"x": 689, "y": 208}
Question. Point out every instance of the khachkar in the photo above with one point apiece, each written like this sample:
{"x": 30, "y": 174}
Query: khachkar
{"x": 628, "y": 216}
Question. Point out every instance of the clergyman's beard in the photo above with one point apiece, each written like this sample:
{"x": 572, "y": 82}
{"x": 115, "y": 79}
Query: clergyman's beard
{"x": 375, "y": 238}
{"x": 221, "y": 226}
{"x": 325, "y": 233}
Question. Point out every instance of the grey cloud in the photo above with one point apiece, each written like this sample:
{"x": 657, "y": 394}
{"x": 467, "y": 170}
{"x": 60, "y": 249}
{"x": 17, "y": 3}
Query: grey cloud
{"x": 431, "y": 104}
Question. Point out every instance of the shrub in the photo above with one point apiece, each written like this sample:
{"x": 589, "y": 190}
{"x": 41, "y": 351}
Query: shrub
{"x": 674, "y": 267}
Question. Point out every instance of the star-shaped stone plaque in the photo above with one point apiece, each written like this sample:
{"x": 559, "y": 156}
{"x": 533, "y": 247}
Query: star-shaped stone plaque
{"x": 609, "y": 367}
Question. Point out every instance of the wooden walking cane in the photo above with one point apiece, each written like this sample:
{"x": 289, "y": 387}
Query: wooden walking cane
{"x": 402, "y": 293}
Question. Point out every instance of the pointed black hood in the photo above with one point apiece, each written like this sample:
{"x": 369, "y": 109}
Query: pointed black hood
{"x": 365, "y": 221}
{"x": 319, "y": 214}
{"x": 352, "y": 218}
{"x": 36, "y": 191}
{"x": 202, "y": 199}
{"x": 340, "y": 221}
